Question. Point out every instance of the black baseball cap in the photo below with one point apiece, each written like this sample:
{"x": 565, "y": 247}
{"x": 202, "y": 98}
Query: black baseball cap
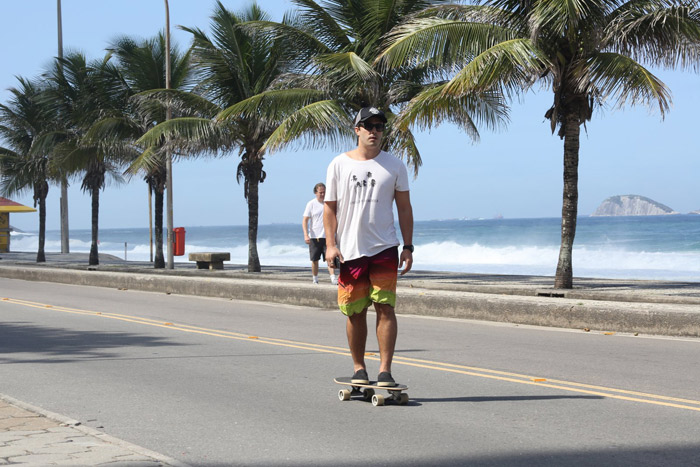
{"x": 366, "y": 113}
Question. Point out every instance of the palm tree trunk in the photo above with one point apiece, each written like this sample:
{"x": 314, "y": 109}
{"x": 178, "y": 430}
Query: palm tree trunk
{"x": 251, "y": 168}
{"x": 253, "y": 183}
{"x": 159, "y": 262}
{"x": 569, "y": 210}
{"x": 94, "y": 257}
{"x": 40, "y": 254}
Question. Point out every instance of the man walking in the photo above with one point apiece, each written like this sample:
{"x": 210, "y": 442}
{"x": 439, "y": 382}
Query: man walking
{"x": 362, "y": 186}
{"x": 315, "y": 234}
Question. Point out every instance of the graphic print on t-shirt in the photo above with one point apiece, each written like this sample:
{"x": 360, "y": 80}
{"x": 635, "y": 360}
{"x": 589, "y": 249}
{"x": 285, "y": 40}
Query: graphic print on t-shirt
{"x": 363, "y": 181}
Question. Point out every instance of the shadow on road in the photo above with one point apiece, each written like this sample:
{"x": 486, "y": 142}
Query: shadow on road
{"x": 500, "y": 398}
{"x": 668, "y": 455}
{"x": 61, "y": 345}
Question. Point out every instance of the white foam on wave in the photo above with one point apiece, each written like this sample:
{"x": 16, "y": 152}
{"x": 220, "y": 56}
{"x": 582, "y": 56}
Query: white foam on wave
{"x": 587, "y": 262}
{"x": 50, "y": 245}
{"x": 603, "y": 262}
{"x": 279, "y": 255}
{"x": 18, "y": 234}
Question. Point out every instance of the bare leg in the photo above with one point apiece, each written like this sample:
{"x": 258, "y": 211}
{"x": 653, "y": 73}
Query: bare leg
{"x": 356, "y": 328}
{"x": 387, "y": 330}
{"x": 314, "y": 268}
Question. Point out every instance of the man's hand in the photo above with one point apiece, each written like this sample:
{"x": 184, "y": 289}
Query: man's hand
{"x": 307, "y": 239}
{"x": 333, "y": 252}
{"x": 406, "y": 260}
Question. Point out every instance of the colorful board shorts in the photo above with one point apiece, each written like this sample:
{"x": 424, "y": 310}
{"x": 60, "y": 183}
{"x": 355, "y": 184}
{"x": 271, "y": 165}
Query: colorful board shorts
{"x": 368, "y": 279}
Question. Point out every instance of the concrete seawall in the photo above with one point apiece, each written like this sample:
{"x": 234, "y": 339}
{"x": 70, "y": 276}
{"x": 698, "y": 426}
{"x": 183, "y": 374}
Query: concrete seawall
{"x": 645, "y": 307}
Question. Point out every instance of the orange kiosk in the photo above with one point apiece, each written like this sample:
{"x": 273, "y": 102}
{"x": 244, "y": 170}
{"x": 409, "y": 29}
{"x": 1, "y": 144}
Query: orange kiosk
{"x": 6, "y": 207}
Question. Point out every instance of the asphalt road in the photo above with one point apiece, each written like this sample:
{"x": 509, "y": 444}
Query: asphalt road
{"x": 223, "y": 382}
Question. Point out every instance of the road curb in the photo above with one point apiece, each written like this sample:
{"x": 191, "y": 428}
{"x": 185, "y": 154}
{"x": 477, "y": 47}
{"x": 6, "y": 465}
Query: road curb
{"x": 643, "y": 318}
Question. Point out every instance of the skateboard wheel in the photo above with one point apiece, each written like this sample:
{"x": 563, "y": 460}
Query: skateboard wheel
{"x": 403, "y": 399}
{"x": 367, "y": 394}
{"x": 377, "y": 400}
{"x": 344, "y": 395}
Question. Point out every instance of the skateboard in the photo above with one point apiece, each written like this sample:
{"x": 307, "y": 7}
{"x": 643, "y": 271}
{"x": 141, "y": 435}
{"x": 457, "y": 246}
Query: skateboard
{"x": 367, "y": 392}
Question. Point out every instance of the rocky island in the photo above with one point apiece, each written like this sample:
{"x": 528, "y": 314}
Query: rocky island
{"x": 632, "y": 205}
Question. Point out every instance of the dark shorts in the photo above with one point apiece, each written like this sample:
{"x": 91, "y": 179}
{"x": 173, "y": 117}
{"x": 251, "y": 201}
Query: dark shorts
{"x": 317, "y": 249}
{"x": 368, "y": 279}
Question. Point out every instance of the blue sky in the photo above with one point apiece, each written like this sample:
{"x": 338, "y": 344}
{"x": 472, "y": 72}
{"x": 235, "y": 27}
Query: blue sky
{"x": 515, "y": 172}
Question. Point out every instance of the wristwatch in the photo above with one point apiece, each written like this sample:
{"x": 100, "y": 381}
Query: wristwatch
{"x": 408, "y": 247}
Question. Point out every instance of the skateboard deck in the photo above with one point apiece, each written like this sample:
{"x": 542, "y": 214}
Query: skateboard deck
{"x": 367, "y": 392}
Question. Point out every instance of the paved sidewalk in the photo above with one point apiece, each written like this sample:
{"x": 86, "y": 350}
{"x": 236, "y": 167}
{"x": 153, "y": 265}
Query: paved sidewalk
{"x": 32, "y": 436}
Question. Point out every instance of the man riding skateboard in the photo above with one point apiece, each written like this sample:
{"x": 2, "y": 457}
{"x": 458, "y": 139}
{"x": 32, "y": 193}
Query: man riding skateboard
{"x": 361, "y": 188}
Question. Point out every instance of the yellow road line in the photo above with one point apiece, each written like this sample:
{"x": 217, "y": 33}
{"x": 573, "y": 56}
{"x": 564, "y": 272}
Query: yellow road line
{"x": 602, "y": 391}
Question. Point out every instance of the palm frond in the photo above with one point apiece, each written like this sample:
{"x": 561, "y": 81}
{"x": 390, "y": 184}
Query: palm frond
{"x": 148, "y": 161}
{"x": 9, "y": 153}
{"x": 319, "y": 123}
{"x": 622, "y": 79}
{"x": 508, "y": 67}
{"x": 142, "y": 63}
{"x": 478, "y": 12}
{"x": 77, "y": 159}
{"x": 271, "y": 106}
{"x": 327, "y": 28}
{"x": 300, "y": 42}
{"x": 182, "y": 103}
{"x": 111, "y": 130}
{"x": 444, "y": 42}
{"x": 15, "y": 179}
{"x": 566, "y": 17}
{"x": 402, "y": 144}
{"x": 186, "y": 135}
{"x": 661, "y": 32}
{"x": 433, "y": 107}
{"x": 347, "y": 66}
{"x": 47, "y": 142}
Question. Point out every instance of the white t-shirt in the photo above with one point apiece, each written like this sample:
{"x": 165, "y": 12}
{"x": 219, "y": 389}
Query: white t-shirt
{"x": 364, "y": 191}
{"x": 314, "y": 211}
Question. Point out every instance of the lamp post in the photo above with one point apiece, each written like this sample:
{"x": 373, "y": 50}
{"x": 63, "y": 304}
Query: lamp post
{"x": 65, "y": 247}
{"x": 168, "y": 156}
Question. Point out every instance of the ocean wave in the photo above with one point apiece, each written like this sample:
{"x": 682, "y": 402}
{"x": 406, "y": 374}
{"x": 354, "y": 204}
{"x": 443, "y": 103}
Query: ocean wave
{"x": 606, "y": 261}
{"x": 542, "y": 261}
{"x": 20, "y": 234}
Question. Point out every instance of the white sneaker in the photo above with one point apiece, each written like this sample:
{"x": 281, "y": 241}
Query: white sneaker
{"x": 315, "y": 280}
{"x": 334, "y": 280}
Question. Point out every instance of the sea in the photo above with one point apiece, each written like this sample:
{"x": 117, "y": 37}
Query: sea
{"x": 645, "y": 247}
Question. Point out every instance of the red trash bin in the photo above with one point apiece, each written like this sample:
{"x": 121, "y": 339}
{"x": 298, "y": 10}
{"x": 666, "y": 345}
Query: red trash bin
{"x": 178, "y": 241}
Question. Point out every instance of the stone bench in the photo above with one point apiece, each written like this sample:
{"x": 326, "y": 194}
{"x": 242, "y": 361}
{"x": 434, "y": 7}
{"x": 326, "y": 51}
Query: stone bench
{"x": 210, "y": 260}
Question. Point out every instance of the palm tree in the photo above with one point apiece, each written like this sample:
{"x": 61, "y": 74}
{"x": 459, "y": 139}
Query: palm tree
{"x": 587, "y": 52}
{"x": 233, "y": 65}
{"x": 21, "y": 122}
{"x": 336, "y": 72}
{"x": 141, "y": 65}
{"x": 80, "y": 94}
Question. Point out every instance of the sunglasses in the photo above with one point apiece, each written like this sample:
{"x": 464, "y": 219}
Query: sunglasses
{"x": 373, "y": 126}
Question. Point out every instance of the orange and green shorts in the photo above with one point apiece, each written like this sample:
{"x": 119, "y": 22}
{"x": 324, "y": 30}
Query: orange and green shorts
{"x": 368, "y": 279}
